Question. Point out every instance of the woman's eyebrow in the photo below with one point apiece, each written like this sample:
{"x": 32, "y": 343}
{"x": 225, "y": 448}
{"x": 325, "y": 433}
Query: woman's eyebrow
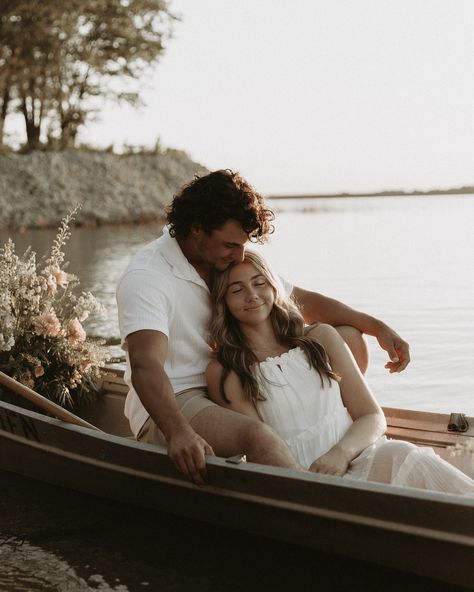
{"x": 254, "y": 277}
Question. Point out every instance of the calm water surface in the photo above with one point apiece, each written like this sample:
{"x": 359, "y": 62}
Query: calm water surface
{"x": 407, "y": 260}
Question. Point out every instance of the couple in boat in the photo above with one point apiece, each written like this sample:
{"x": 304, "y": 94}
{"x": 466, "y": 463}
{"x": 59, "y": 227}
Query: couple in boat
{"x": 223, "y": 357}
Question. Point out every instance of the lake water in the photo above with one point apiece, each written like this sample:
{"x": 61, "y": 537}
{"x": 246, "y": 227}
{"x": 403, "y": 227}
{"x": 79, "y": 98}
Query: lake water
{"x": 407, "y": 260}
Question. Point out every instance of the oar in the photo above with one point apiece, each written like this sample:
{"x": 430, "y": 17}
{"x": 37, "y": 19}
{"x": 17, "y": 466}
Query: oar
{"x": 43, "y": 402}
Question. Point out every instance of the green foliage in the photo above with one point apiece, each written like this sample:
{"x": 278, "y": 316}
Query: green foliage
{"x": 57, "y": 59}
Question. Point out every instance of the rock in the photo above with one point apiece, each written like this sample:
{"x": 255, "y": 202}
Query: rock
{"x": 37, "y": 189}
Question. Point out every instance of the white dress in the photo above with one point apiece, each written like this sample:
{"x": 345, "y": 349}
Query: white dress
{"x": 311, "y": 418}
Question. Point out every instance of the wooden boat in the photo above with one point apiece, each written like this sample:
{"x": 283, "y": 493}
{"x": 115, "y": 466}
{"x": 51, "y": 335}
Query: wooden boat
{"x": 425, "y": 533}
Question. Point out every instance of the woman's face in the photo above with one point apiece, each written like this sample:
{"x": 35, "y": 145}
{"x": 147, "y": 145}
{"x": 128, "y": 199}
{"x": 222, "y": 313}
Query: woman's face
{"x": 249, "y": 296}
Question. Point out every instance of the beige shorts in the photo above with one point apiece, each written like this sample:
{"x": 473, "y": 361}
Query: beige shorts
{"x": 190, "y": 402}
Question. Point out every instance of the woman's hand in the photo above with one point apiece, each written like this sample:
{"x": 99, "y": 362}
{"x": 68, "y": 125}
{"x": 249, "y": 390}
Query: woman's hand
{"x": 334, "y": 462}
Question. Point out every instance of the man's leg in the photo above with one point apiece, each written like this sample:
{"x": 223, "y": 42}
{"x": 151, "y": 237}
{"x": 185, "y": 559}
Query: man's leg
{"x": 230, "y": 433}
{"x": 357, "y": 344}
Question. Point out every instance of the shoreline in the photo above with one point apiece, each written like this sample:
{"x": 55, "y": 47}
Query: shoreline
{"x": 39, "y": 188}
{"x": 390, "y": 193}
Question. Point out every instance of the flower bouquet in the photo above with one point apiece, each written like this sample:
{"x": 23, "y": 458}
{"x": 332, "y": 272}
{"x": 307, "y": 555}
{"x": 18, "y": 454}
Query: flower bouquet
{"x": 43, "y": 343}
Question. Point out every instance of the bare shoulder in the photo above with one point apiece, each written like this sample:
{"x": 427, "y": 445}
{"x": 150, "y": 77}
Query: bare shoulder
{"x": 232, "y": 384}
{"x": 214, "y": 370}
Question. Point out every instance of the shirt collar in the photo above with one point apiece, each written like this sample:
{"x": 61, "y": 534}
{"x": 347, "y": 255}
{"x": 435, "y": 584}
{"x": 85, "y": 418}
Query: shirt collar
{"x": 175, "y": 257}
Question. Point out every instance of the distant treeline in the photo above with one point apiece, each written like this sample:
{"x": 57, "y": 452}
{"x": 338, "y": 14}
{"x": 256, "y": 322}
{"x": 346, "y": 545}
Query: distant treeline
{"x": 465, "y": 190}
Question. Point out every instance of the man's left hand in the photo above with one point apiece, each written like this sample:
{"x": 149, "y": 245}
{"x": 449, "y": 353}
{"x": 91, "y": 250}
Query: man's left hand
{"x": 398, "y": 350}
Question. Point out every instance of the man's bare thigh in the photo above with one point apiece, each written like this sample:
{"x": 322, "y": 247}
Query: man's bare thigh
{"x": 224, "y": 430}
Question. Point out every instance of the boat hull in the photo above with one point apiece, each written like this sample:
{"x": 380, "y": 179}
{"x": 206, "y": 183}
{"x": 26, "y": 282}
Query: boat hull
{"x": 425, "y": 533}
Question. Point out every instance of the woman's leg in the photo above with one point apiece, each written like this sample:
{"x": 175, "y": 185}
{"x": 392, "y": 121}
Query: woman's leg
{"x": 404, "y": 464}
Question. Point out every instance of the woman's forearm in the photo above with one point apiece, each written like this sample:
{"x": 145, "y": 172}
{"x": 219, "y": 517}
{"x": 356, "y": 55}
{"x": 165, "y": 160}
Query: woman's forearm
{"x": 363, "y": 432}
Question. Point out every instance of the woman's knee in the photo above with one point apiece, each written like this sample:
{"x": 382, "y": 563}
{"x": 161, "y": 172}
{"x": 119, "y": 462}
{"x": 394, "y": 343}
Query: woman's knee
{"x": 357, "y": 344}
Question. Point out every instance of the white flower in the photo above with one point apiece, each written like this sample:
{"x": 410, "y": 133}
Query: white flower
{"x": 42, "y": 341}
{"x": 6, "y": 343}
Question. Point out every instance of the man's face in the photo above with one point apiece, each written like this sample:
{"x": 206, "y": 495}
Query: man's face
{"x": 223, "y": 246}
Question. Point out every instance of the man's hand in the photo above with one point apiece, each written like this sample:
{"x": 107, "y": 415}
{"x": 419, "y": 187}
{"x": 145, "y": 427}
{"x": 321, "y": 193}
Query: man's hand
{"x": 333, "y": 462}
{"x": 188, "y": 452}
{"x": 398, "y": 350}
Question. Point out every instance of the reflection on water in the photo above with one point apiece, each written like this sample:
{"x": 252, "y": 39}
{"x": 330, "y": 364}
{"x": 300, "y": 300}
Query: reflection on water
{"x": 26, "y": 567}
{"x": 72, "y": 542}
{"x": 407, "y": 260}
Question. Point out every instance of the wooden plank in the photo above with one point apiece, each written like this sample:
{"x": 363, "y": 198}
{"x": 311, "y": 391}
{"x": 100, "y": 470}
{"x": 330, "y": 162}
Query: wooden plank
{"x": 436, "y": 422}
{"x": 419, "y": 435}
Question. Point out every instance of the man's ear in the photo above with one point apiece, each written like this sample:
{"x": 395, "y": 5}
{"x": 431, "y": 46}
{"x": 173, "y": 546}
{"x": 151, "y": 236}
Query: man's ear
{"x": 196, "y": 229}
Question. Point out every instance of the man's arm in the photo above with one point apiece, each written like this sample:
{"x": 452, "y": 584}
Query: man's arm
{"x": 318, "y": 308}
{"x": 147, "y": 353}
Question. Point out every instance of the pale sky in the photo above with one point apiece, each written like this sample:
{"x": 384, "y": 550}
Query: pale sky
{"x": 314, "y": 95}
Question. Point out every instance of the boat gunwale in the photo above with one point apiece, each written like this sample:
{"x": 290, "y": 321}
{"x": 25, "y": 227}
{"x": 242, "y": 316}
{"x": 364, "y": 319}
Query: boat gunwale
{"x": 222, "y": 463}
{"x": 319, "y": 511}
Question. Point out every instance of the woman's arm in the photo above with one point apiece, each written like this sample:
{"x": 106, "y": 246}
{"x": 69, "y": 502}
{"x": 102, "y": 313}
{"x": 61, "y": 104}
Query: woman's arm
{"x": 369, "y": 421}
{"x": 233, "y": 389}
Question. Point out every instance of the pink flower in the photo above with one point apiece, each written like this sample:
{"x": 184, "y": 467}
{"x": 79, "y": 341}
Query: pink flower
{"x": 38, "y": 371}
{"x": 76, "y": 331}
{"x": 48, "y": 324}
{"x": 62, "y": 278}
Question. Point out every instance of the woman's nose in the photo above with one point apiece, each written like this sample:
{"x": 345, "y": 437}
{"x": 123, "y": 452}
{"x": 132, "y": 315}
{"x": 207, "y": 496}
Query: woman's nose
{"x": 252, "y": 294}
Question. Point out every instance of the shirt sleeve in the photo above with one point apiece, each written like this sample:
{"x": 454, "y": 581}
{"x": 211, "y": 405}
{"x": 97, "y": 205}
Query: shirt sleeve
{"x": 144, "y": 301}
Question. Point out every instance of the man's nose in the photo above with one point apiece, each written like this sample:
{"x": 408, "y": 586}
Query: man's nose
{"x": 239, "y": 254}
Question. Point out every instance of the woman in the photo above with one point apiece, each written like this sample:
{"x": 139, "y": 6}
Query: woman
{"x": 306, "y": 385}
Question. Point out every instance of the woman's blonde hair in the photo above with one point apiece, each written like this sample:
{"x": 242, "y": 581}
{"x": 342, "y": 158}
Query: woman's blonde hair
{"x": 231, "y": 347}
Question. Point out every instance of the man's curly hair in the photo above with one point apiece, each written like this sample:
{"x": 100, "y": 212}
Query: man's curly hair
{"x": 213, "y": 199}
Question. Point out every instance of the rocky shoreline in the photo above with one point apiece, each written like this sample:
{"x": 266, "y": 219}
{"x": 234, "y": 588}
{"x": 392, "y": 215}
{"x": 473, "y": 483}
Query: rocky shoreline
{"x": 37, "y": 189}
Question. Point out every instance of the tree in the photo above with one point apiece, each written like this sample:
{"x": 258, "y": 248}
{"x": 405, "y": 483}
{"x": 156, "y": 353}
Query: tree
{"x": 57, "y": 58}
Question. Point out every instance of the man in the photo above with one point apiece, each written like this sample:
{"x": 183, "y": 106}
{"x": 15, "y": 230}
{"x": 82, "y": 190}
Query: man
{"x": 164, "y": 315}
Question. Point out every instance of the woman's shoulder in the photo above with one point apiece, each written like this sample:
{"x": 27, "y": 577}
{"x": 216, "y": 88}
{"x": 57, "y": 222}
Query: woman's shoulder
{"x": 214, "y": 373}
{"x": 214, "y": 368}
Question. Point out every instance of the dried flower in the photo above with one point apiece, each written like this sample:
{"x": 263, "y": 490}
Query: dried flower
{"x": 38, "y": 371}
{"x": 47, "y": 324}
{"x": 61, "y": 277}
{"x": 42, "y": 341}
{"x": 75, "y": 331}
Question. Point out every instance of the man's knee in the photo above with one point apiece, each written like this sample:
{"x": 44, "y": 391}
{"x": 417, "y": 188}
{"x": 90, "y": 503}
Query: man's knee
{"x": 357, "y": 344}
